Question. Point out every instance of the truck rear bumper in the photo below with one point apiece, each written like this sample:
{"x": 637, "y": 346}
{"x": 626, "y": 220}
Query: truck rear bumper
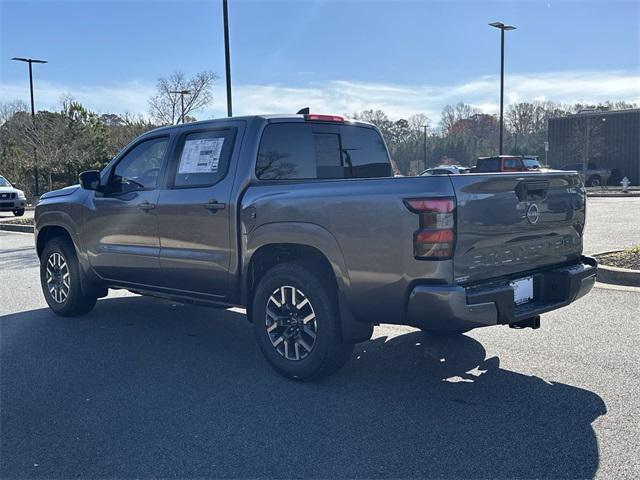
{"x": 451, "y": 308}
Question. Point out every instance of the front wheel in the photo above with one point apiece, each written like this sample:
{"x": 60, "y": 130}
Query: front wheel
{"x": 60, "y": 280}
{"x": 19, "y": 213}
{"x": 297, "y": 323}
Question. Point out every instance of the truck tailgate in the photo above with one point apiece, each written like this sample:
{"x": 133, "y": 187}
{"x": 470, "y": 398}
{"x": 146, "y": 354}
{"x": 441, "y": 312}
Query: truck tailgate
{"x": 509, "y": 223}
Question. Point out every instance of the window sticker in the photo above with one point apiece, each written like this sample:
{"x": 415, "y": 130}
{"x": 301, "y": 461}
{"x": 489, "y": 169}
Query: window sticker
{"x": 201, "y": 155}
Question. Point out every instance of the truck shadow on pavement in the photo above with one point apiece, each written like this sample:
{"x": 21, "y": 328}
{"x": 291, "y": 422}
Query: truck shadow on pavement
{"x": 140, "y": 388}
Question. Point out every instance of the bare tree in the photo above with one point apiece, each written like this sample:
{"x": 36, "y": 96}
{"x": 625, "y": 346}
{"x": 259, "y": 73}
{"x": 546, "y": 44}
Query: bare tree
{"x": 451, "y": 114}
{"x": 10, "y": 108}
{"x": 165, "y": 106}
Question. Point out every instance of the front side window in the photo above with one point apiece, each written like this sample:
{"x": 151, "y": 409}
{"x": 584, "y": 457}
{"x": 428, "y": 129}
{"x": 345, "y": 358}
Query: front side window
{"x": 203, "y": 158}
{"x": 295, "y": 151}
{"x": 140, "y": 167}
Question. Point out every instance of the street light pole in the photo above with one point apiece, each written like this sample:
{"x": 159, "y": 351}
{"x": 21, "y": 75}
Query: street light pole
{"x": 502, "y": 28}
{"x": 227, "y": 58}
{"x": 425, "y": 146}
{"x": 182, "y": 94}
{"x": 31, "y": 61}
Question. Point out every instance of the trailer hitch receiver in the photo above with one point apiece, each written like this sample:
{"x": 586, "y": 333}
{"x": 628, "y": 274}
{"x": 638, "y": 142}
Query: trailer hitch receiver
{"x": 533, "y": 322}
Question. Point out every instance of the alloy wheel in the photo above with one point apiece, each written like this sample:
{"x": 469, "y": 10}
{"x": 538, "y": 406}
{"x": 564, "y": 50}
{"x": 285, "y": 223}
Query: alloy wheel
{"x": 291, "y": 323}
{"x": 58, "y": 279}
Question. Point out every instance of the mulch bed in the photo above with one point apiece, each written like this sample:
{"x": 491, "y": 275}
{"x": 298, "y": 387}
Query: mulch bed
{"x": 626, "y": 259}
{"x": 20, "y": 221}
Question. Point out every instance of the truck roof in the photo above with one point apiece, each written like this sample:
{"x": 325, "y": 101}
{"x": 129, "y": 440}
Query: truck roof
{"x": 274, "y": 117}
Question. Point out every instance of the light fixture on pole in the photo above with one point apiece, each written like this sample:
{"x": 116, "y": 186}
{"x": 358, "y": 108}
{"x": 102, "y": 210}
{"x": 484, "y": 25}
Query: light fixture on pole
{"x": 502, "y": 28}
{"x": 31, "y": 61}
{"x": 182, "y": 94}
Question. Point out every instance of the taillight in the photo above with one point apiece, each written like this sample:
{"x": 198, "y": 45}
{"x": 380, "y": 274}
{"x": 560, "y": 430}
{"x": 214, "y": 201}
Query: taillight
{"x": 436, "y": 238}
{"x": 323, "y": 118}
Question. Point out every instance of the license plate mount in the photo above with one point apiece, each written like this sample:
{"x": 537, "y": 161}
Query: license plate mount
{"x": 522, "y": 290}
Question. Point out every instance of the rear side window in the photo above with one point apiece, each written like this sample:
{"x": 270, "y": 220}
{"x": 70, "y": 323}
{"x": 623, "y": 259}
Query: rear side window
{"x": 364, "y": 152}
{"x": 203, "y": 158}
{"x": 295, "y": 151}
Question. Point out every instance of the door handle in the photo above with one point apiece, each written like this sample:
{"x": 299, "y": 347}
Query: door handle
{"x": 146, "y": 206}
{"x": 213, "y": 205}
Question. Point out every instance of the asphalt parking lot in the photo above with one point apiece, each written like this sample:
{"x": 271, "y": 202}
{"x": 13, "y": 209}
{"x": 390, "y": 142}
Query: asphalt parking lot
{"x": 145, "y": 388}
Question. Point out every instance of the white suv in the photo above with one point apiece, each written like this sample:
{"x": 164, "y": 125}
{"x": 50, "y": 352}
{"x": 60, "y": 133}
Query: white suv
{"x": 11, "y": 199}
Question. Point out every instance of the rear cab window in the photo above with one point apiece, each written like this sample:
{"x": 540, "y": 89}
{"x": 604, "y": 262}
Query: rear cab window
{"x": 512, "y": 164}
{"x": 296, "y": 151}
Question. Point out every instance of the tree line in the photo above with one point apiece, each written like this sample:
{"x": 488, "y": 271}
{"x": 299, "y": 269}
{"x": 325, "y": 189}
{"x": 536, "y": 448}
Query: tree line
{"x": 72, "y": 139}
{"x": 463, "y": 133}
{"x": 60, "y": 144}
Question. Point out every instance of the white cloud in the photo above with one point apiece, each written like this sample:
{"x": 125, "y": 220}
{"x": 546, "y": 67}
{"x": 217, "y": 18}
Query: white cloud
{"x": 344, "y": 96}
{"x": 127, "y": 97}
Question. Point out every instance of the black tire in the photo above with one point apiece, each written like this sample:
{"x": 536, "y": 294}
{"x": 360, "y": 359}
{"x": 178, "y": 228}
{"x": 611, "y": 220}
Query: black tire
{"x": 594, "y": 181}
{"x": 19, "y": 213}
{"x": 75, "y": 302}
{"x": 328, "y": 352}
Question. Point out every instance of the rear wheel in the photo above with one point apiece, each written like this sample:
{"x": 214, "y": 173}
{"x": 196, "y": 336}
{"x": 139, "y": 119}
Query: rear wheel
{"x": 297, "y": 324}
{"x": 60, "y": 280}
{"x": 594, "y": 181}
{"x": 19, "y": 213}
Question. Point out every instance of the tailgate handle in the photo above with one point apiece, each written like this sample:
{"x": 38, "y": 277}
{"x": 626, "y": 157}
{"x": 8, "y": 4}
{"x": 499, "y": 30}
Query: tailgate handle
{"x": 532, "y": 190}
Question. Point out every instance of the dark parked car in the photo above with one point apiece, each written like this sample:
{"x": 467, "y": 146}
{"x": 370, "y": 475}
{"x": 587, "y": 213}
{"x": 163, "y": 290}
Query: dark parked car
{"x": 298, "y": 219}
{"x": 595, "y": 176}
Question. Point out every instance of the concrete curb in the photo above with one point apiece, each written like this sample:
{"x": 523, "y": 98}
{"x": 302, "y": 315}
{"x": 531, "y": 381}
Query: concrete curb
{"x": 617, "y": 276}
{"x": 8, "y": 227}
{"x": 613, "y": 195}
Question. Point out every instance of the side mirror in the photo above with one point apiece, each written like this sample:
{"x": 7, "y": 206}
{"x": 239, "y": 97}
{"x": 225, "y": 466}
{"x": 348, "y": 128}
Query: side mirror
{"x": 90, "y": 180}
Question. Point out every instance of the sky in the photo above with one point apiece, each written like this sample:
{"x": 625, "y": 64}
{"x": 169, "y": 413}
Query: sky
{"x": 404, "y": 57}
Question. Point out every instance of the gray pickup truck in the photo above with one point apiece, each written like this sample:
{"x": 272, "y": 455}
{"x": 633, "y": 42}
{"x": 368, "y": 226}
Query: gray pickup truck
{"x": 299, "y": 219}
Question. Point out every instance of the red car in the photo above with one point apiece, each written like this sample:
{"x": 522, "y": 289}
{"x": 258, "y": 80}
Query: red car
{"x": 501, "y": 163}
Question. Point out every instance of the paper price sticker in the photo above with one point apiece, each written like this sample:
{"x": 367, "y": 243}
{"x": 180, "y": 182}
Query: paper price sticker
{"x": 201, "y": 155}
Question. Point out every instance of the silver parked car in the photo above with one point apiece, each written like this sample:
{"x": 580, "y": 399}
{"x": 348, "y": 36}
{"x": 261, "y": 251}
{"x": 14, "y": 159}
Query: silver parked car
{"x": 11, "y": 199}
{"x": 596, "y": 177}
{"x": 445, "y": 170}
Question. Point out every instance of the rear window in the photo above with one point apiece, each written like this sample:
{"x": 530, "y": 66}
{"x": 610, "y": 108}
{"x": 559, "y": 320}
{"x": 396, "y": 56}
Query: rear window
{"x": 301, "y": 151}
{"x": 488, "y": 165}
